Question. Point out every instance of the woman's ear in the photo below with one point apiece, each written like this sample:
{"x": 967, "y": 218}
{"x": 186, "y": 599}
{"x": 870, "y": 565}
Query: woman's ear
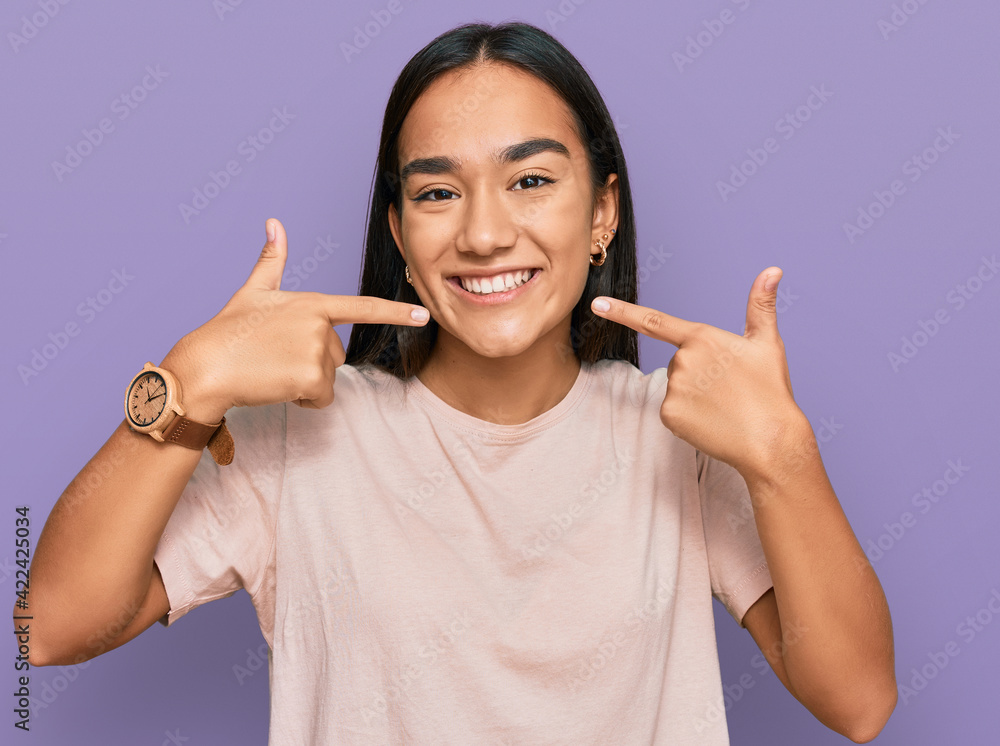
{"x": 606, "y": 206}
{"x": 395, "y": 229}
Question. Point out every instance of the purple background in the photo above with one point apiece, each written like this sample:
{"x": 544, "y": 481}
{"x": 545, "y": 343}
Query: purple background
{"x": 887, "y": 432}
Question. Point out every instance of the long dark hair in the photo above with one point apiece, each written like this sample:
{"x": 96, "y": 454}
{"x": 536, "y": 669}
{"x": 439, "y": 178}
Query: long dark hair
{"x": 403, "y": 350}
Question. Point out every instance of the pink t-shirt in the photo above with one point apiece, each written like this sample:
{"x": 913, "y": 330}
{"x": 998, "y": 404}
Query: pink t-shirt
{"x": 426, "y": 577}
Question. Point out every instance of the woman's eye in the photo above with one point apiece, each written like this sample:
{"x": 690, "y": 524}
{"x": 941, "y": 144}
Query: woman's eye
{"x": 427, "y": 195}
{"x": 534, "y": 181}
{"x": 538, "y": 181}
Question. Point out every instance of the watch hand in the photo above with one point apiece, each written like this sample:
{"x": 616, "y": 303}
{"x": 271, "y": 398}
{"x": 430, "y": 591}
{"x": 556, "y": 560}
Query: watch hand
{"x": 149, "y": 396}
{"x": 157, "y": 396}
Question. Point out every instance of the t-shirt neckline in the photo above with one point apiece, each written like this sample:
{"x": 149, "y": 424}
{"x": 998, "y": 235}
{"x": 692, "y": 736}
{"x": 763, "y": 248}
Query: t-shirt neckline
{"x": 495, "y": 430}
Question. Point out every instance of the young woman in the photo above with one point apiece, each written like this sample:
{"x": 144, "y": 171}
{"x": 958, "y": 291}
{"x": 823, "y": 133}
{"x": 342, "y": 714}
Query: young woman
{"x": 493, "y": 528}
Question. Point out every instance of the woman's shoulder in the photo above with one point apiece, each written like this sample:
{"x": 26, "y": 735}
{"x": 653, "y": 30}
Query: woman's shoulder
{"x": 625, "y": 384}
{"x": 371, "y": 375}
{"x": 366, "y": 373}
{"x": 367, "y": 383}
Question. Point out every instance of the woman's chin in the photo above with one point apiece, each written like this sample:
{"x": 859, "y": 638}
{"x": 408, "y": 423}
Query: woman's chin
{"x": 493, "y": 346}
{"x": 507, "y": 337}
{"x": 500, "y": 348}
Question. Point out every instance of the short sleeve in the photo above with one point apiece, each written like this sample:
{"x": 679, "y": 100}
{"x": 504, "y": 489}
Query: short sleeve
{"x": 220, "y": 536}
{"x": 737, "y": 567}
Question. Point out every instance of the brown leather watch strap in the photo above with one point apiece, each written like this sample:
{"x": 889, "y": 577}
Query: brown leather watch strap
{"x": 197, "y": 435}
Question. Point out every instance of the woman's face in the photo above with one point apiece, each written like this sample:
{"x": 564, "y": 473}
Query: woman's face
{"x": 495, "y": 183}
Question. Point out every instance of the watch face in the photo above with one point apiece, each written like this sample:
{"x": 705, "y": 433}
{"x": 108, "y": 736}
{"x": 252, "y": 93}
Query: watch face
{"x": 147, "y": 398}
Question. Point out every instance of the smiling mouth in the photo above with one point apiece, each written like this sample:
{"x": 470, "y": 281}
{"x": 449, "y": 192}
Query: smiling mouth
{"x": 501, "y": 283}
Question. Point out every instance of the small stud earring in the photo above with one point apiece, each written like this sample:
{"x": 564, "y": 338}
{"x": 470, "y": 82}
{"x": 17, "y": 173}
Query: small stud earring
{"x": 408, "y": 275}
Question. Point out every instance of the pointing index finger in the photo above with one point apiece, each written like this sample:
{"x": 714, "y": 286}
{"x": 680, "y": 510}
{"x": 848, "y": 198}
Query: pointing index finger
{"x": 369, "y": 309}
{"x": 648, "y": 321}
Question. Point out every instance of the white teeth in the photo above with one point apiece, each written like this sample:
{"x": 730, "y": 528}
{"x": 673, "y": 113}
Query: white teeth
{"x": 496, "y": 284}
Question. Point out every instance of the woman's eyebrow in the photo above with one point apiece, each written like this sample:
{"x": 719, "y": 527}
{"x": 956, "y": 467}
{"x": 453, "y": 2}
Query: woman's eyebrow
{"x": 441, "y": 164}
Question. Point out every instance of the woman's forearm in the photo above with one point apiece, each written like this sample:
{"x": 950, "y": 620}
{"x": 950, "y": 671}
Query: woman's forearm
{"x": 836, "y": 628}
{"x": 93, "y": 564}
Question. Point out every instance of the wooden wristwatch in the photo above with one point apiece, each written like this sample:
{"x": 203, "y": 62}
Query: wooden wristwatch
{"x": 153, "y": 406}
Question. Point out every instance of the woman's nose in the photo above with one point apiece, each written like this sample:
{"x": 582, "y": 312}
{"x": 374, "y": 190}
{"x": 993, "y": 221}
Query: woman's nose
{"x": 486, "y": 225}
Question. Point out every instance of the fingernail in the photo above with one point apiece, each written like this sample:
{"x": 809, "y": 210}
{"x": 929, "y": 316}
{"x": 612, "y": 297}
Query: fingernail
{"x": 771, "y": 282}
{"x": 420, "y": 314}
{"x": 270, "y": 230}
{"x": 600, "y": 304}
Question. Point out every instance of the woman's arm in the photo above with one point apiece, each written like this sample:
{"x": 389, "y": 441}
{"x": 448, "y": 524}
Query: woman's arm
{"x": 825, "y": 626}
{"x": 825, "y": 629}
{"x": 93, "y": 583}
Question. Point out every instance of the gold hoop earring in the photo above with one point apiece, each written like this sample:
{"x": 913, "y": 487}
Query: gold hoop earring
{"x": 599, "y": 242}
{"x": 408, "y": 275}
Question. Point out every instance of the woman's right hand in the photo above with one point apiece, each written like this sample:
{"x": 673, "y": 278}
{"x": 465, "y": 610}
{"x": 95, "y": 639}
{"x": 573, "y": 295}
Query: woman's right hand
{"x": 269, "y": 345}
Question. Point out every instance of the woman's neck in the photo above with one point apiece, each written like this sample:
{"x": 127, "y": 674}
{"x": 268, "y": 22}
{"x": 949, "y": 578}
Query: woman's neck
{"x": 504, "y": 390}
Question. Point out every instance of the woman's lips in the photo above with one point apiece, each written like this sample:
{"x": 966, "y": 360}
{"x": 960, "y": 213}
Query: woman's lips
{"x": 492, "y": 299}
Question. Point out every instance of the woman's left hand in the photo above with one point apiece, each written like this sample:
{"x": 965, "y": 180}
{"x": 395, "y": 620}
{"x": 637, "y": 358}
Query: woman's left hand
{"x": 728, "y": 396}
